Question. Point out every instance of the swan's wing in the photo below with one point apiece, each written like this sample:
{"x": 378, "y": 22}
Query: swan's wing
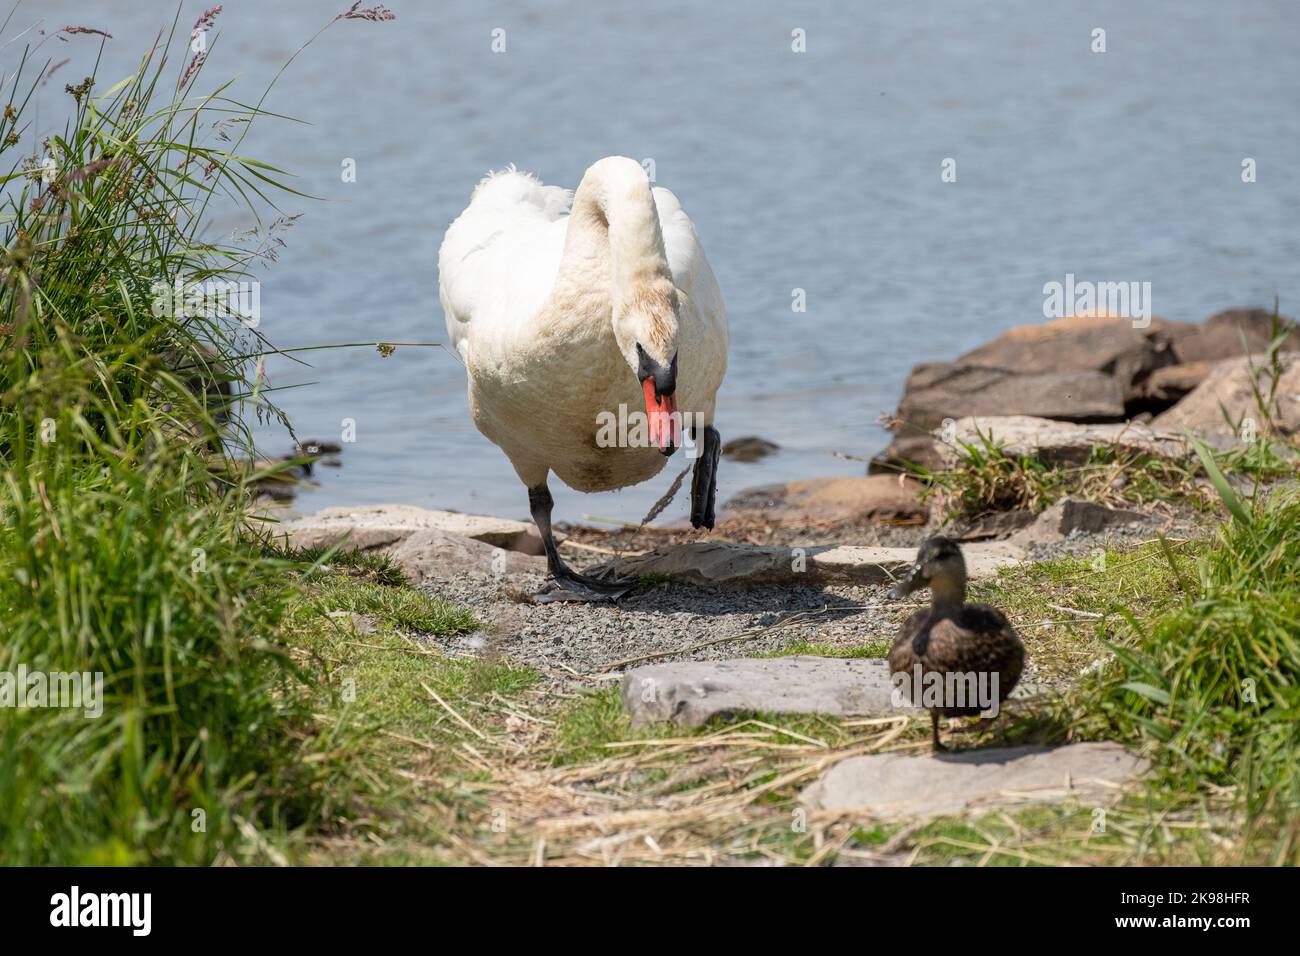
{"x": 499, "y": 258}
{"x": 685, "y": 256}
{"x": 691, "y": 272}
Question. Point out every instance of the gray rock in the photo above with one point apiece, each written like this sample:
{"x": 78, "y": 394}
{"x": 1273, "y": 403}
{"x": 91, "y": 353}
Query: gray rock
{"x": 712, "y": 563}
{"x": 693, "y": 692}
{"x": 937, "y": 390}
{"x": 1233, "y": 332}
{"x": 900, "y": 786}
{"x": 707, "y": 563}
{"x": 1230, "y": 387}
{"x": 432, "y": 553}
{"x": 379, "y": 526}
{"x": 1079, "y": 343}
{"x": 749, "y": 448}
{"x": 1167, "y": 385}
{"x": 829, "y": 502}
{"x": 1075, "y": 514}
{"x": 1059, "y": 443}
{"x": 854, "y": 565}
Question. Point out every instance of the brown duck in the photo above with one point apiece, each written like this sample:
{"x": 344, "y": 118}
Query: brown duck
{"x": 951, "y": 637}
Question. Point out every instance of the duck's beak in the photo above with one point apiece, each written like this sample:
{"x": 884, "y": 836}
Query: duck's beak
{"x": 914, "y": 580}
{"x": 665, "y": 423}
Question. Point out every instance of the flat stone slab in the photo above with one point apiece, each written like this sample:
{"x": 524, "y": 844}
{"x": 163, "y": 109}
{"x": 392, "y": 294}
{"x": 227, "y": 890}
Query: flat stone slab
{"x": 1056, "y": 442}
{"x": 850, "y": 564}
{"x": 692, "y": 692}
{"x": 381, "y": 526}
{"x": 723, "y": 563}
{"x": 437, "y": 554}
{"x": 829, "y": 502}
{"x": 1074, "y": 514}
{"x": 900, "y": 786}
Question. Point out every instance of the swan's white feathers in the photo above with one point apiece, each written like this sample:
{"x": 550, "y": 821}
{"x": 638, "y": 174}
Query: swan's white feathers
{"x": 541, "y": 354}
{"x": 509, "y": 187}
{"x": 500, "y": 256}
{"x": 680, "y": 242}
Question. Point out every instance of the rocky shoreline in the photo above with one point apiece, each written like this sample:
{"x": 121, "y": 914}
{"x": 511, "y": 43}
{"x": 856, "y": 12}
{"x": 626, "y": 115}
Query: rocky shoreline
{"x": 829, "y": 548}
{"x": 1103, "y": 369}
{"x": 783, "y": 608}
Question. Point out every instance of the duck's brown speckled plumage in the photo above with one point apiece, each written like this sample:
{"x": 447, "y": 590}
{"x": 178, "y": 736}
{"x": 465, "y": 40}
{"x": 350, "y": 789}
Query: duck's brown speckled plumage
{"x": 978, "y": 639}
{"x": 952, "y": 636}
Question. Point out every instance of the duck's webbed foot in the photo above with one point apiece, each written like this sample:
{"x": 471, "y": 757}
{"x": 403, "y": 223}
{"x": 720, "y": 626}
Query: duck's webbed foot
{"x": 982, "y": 725}
{"x": 562, "y": 582}
{"x": 934, "y": 734}
{"x": 704, "y": 482}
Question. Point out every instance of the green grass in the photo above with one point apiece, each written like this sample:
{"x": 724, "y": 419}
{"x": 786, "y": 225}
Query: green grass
{"x": 397, "y": 799}
{"x": 369, "y": 565}
{"x": 395, "y": 607}
{"x": 873, "y": 835}
{"x": 652, "y": 581}
{"x": 1202, "y": 647}
{"x": 271, "y": 706}
{"x": 585, "y": 726}
{"x": 128, "y": 549}
{"x": 1211, "y": 687}
{"x": 1152, "y": 646}
{"x": 823, "y": 649}
{"x": 1042, "y": 598}
{"x": 991, "y": 480}
{"x": 1147, "y": 828}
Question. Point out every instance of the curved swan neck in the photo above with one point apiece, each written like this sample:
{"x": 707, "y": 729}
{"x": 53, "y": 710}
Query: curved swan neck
{"x": 614, "y": 223}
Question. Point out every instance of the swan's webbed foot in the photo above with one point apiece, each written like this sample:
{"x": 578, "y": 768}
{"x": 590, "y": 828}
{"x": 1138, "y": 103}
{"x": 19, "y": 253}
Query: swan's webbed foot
{"x": 565, "y": 584}
{"x": 562, "y": 582}
{"x": 704, "y": 482}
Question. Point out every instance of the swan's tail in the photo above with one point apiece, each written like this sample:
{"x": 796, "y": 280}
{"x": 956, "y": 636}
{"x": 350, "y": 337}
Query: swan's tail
{"x": 510, "y": 189}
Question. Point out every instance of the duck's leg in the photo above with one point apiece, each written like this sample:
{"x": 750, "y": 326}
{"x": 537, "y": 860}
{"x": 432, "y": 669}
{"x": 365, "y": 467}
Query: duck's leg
{"x": 934, "y": 732}
{"x": 565, "y": 584}
{"x": 704, "y": 482}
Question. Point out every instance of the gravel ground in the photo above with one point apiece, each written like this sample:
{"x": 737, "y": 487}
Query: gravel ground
{"x": 672, "y": 622}
{"x": 591, "y": 643}
{"x": 1175, "y": 526}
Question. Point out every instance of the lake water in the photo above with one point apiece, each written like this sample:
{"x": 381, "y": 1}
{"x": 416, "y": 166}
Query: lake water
{"x": 817, "y": 171}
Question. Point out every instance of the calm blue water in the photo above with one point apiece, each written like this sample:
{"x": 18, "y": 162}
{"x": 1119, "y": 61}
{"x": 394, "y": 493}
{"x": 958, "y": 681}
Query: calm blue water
{"x": 817, "y": 171}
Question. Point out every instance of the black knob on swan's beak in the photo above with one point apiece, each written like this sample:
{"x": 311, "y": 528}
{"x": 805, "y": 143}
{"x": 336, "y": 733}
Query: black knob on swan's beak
{"x": 659, "y": 383}
{"x": 665, "y": 376}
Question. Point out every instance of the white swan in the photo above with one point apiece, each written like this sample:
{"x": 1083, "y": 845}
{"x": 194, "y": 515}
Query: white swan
{"x": 566, "y": 306}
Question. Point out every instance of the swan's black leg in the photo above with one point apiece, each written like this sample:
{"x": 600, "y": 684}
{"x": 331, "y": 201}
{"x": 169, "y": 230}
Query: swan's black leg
{"x": 540, "y": 504}
{"x": 704, "y": 482}
{"x": 564, "y": 584}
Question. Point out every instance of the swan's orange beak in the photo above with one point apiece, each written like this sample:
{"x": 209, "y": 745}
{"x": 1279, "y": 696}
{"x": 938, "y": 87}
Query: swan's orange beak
{"x": 661, "y": 411}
